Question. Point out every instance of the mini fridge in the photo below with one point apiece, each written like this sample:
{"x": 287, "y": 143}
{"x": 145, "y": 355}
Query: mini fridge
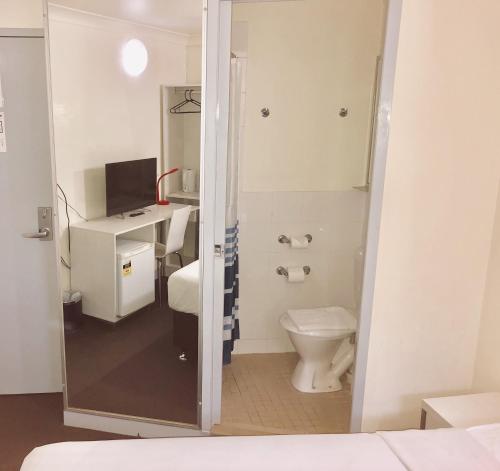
{"x": 135, "y": 275}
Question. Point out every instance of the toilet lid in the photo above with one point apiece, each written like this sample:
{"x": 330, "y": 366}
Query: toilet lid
{"x": 324, "y": 318}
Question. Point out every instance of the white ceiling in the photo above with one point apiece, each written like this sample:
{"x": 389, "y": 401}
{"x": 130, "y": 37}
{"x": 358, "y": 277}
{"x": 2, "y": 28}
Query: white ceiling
{"x": 181, "y": 16}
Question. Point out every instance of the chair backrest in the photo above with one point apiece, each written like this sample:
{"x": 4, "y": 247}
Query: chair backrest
{"x": 177, "y": 229}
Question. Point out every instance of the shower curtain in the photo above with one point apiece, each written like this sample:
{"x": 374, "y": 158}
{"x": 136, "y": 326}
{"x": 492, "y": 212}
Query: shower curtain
{"x": 231, "y": 274}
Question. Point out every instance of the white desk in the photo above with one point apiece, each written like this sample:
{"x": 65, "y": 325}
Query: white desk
{"x": 93, "y": 255}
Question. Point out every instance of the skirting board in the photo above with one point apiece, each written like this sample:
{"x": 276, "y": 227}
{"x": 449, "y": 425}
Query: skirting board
{"x": 279, "y": 345}
{"x": 132, "y": 428}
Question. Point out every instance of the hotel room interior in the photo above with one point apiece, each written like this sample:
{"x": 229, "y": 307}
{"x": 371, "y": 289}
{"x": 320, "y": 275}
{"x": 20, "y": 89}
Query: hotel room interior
{"x": 264, "y": 230}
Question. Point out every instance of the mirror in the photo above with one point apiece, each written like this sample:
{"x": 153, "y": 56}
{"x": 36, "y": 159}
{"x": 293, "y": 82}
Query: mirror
{"x": 129, "y": 233}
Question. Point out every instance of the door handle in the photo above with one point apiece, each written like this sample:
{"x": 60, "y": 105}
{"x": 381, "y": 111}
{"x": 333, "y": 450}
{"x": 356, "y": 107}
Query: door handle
{"x": 41, "y": 234}
{"x": 45, "y": 223}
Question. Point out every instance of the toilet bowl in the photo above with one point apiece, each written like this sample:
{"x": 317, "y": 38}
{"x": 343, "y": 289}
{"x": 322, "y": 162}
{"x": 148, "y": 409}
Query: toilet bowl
{"x": 322, "y": 339}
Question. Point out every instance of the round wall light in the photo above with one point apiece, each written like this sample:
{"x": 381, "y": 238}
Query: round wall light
{"x": 134, "y": 57}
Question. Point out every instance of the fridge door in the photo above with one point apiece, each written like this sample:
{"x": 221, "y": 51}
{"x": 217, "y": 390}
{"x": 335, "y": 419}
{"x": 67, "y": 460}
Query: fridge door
{"x": 136, "y": 282}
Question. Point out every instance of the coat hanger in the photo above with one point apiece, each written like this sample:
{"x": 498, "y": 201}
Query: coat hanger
{"x": 188, "y": 98}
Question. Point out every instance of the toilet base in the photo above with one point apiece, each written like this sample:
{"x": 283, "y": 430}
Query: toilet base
{"x": 315, "y": 377}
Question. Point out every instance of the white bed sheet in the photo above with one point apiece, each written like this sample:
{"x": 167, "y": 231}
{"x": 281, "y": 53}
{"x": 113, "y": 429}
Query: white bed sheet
{"x": 358, "y": 452}
{"x": 489, "y": 437}
{"x": 446, "y": 449}
{"x": 183, "y": 289}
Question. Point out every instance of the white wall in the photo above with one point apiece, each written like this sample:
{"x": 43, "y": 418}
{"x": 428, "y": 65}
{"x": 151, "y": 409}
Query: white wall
{"x": 298, "y": 166}
{"x": 487, "y": 367}
{"x": 192, "y": 129}
{"x": 335, "y": 221}
{"x": 21, "y": 14}
{"x": 439, "y": 204}
{"x": 193, "y": 61}
{"x": 307, "y": 60}
{"x": 100, "y": 114}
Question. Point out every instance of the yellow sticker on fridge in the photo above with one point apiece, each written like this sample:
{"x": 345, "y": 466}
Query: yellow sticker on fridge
{"x": 127, "y": 269}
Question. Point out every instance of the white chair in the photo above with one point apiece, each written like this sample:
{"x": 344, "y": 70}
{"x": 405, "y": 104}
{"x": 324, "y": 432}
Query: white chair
{"x": 175, "y": 241}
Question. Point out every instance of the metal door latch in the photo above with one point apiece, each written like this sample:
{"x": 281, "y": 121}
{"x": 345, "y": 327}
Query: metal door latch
{"x": 218, "y": 250}
{"x": 45, "y": 226}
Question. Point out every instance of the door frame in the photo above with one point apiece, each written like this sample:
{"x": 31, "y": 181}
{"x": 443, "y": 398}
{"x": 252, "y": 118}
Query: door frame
{"x": 214, "y": 138}
{"x": 381, "y": 145}
{"x": 217, "y": 42}
{"x": 124, "y": 424}
{"x": 215, "y": 125}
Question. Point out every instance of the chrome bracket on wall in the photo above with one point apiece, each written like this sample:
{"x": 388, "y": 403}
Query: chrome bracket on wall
{"x": 283, "y": 239}
{"x": 284, "y": 272}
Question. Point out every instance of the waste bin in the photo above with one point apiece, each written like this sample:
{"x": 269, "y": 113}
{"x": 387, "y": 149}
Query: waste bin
{"x": 72, "y": 309}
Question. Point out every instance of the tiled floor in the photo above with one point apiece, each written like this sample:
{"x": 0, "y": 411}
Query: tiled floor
{"x": 258, "y": 399}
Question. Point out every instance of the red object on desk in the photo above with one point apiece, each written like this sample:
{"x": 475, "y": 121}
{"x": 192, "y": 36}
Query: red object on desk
{"x": 158, "y": 200}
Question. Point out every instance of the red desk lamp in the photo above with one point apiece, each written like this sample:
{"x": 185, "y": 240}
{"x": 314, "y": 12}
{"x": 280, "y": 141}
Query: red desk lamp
{"x": 158, "y": 200}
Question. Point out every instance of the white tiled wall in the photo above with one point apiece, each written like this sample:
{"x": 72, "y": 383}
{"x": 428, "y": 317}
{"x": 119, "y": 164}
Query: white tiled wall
{"x": 335, "y": 220}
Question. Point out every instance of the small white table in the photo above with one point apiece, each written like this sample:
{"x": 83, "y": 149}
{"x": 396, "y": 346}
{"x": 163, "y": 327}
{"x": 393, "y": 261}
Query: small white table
{"x": 462, "y": 411}
{"x": 93, "y": 255}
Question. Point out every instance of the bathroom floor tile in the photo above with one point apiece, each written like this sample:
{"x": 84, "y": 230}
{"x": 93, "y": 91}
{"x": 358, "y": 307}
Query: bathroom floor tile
{"x": 259, "y": 399}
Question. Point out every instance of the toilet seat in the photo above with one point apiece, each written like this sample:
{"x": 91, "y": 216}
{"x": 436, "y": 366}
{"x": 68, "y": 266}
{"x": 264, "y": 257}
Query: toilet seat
{"x": 323, "y": 317}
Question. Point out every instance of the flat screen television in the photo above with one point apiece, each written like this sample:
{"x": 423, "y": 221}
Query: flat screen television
{"x": 130, "y": 185}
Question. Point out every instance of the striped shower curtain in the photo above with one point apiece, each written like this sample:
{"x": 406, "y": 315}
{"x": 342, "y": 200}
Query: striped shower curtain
{"x": 231, "y": 275}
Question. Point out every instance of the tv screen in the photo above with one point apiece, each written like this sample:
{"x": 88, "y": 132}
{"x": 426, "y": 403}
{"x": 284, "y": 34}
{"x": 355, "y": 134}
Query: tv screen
{"x": 130, "y": 185}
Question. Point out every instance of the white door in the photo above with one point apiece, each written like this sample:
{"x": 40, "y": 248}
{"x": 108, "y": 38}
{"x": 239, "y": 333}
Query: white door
{"x": 30, "y": 352}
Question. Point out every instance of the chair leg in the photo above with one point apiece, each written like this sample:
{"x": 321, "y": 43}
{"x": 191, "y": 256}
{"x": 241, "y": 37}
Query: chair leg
{"x": 160, "y": 270}
{"x": 180, "y": 258}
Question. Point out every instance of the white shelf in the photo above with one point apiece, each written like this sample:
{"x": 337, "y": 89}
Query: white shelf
{"x": 195, "y": 195}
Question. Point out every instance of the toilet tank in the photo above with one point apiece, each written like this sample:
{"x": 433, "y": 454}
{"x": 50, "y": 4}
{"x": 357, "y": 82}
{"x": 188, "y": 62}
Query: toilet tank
{"x": 359, "y": 265}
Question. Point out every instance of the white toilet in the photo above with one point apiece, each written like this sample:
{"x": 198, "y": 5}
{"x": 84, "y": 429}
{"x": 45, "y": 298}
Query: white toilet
{"x": 317, "y": 335}
{"x": 323, "y": 340}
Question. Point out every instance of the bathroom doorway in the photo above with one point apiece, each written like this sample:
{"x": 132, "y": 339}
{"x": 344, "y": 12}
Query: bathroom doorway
{"x": 304, "y": 89}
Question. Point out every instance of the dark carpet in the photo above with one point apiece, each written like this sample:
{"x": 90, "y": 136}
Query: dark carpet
{"x": 129, "y": 368}
{"x": 33, "y": 420}
{"x": 132, "y": 367}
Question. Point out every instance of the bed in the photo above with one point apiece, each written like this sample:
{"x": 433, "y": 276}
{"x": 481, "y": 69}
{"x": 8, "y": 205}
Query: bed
{"x": 183, "y": 289}
{"x": 477, "y": 448}
{"x": 184, "y": 300}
